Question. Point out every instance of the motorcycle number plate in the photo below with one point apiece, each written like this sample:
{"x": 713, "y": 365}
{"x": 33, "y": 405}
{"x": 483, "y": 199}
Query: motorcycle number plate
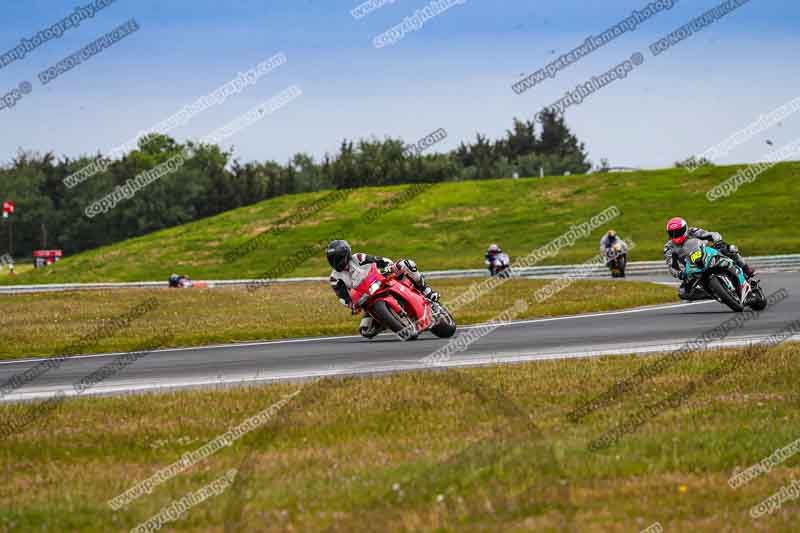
{"x": 695, "y": 256}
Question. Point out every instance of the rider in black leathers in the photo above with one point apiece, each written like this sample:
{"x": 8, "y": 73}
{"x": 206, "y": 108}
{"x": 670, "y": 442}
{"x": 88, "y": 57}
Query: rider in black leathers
{"x": 679, "y": 232}
{"x": 347, "y": 266}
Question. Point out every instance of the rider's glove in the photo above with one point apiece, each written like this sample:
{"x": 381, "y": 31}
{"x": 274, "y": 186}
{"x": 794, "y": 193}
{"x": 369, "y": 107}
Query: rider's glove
{"x": 682, "y": 275}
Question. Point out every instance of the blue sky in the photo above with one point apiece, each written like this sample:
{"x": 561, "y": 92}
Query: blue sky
{"x": 454, "y": 73}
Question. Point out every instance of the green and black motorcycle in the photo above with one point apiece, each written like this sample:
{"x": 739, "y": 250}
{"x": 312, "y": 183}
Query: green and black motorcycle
{"x": 720, "y": 278}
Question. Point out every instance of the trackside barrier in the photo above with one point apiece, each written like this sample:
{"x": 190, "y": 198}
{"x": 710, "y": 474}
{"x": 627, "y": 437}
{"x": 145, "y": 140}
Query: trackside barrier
{"x": 772, "y": 263}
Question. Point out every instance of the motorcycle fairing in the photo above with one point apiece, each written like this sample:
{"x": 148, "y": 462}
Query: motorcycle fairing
{"x": 398, "y": 294}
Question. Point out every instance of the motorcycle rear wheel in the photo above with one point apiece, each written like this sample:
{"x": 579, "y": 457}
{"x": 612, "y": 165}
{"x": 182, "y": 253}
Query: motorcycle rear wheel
{"x": 445, "y": 327}
{"x": 719, "y": 290}
{"x": 759, "y": 302}
{"x": 403, "y": 327}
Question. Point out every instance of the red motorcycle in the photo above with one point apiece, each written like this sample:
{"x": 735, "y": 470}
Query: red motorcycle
{"x": 397, "y": 305}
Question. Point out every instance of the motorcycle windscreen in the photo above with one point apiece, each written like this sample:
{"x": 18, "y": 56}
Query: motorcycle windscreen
{"x": 364, "y": 281}
{"x": 692, "y": 255}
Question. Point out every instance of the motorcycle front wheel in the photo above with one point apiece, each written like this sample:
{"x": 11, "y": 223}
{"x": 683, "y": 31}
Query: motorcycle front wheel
{"x": 719, "y": 290}
{"x": 401, "y": 326}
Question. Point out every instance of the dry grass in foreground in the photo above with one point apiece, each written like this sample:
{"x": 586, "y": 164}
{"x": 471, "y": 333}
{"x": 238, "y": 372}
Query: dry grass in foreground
{"x": 479, "y": 449}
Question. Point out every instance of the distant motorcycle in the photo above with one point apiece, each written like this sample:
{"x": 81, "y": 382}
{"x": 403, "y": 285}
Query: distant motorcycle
{"x": 180, "y": 282}
{"x": 720, "y": 278}
{"x": 500, "y": 265}
{"x": 395, "y": 304}
{"x": 617, "y": 260}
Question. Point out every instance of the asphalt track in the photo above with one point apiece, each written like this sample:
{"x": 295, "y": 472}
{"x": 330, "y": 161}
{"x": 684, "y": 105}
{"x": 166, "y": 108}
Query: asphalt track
{"x": 636, "y": 331}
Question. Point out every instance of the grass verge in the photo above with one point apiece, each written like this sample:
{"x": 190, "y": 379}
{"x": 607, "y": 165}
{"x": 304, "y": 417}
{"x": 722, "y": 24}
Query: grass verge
{"x": 478, "y": 449}
{"x": 451, "y": 224}
{"x": 45, "y": 323}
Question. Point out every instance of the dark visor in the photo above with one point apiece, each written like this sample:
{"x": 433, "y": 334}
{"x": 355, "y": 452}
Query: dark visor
{"x": 338, "y": 260}
{"x": 680, "y": 232}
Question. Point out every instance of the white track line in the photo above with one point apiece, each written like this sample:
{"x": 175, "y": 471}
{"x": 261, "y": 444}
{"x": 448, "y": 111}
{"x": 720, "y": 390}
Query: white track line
{"x": 384, "y": 367}
{"x": 318, "y": 339}
{"x": 591, "y": 315}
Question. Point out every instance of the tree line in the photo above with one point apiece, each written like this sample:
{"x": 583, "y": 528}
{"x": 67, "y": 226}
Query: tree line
{"x": 50, "y": 215}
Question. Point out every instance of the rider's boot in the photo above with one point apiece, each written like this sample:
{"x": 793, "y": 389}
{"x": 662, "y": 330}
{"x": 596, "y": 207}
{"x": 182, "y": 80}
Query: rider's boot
{"x": 733, "y": 253}
{"x": 747, "y": 269}
{"x": 409, "y": 268}
{"x": 430, "y": 294}
{"x": 426, "y": 291}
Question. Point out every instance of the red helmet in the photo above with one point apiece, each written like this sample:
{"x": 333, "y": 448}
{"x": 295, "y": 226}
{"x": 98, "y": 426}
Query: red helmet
{"x": 677, "y": 229}
{"x": 493, "y": 249}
